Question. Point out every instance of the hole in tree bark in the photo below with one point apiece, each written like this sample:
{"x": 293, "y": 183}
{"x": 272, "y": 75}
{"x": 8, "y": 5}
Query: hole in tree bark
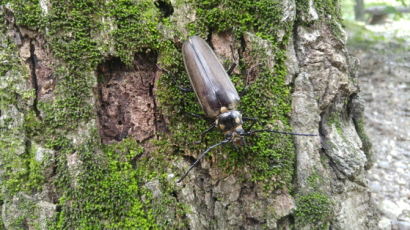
{"x": 126, "y": 102}
{"x": 165, "y": 7}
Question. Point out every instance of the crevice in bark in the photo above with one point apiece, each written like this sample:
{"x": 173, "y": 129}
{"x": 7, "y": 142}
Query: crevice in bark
{"x": 190, "y": 159}
{"x": 32, "y": 61}
{"x": 323, "y": 132}
{"x": 252, "y": 221}
{"x": 127, "y": 106}
{"x": 295, "y": 44}
{"x": 165, "y": 7}
{"x": 159, "y": 120}
{"x": 356, "y": 111}
{"x": 285, "y": 222}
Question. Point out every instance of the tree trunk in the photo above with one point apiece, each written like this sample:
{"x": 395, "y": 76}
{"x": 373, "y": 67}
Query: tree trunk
{"x": 94, "y": 135}
{"x": 359, "y": 10}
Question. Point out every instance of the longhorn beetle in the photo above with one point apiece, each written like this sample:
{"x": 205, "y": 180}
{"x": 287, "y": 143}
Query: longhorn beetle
{"x": 216, "y": 94}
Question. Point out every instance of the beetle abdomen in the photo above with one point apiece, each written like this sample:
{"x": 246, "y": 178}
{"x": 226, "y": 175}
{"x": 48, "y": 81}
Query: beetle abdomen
{"x": 211, "y": 83}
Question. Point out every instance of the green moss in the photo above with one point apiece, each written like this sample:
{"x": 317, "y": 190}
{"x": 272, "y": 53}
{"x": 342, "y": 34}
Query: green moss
{"x": 2, "y": 227}
{"x": 71, "y": 25}
{"x": 22, "y": 173}
{"x": 329, "y": 9}
{"x": 27, "y": 213}
{"x": 334, "y": 119}
{"x": 268, "y": 99}
{"x": 262, "y": 17}
{"x": 136, "y": 31}
{"x": 13, "y": 76}
{"x": 329, "y": 12}
{"x": 313, "y": 209}
{"x": 326, "y": 9}
{"x": 315, "y": 181}
{"x": 108, "y": 192}
{"x": 27, "y": 13}
{"x": 367, "y": 145}
{"x": 107, "y": 189}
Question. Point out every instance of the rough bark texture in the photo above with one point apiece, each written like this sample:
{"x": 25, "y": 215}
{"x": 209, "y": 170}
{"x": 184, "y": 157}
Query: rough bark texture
{"x": 95, "y": 136}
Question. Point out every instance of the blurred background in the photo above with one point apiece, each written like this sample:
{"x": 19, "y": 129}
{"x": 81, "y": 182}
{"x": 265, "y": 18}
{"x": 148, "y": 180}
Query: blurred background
{"x": 379, "y": 37}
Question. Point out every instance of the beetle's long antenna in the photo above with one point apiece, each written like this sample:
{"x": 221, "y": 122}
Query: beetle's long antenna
{"x": 276, "y": 131}
{"x": 203, "y": 155}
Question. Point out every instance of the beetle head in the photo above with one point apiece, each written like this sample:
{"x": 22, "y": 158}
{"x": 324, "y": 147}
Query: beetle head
{"x": 230, "y": 123}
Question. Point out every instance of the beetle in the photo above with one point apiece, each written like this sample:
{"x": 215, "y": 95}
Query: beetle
{"x": 216, "y": 94}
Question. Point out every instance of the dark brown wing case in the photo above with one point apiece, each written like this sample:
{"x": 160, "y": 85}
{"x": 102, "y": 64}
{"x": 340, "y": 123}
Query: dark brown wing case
{"x": 211, "y": 83}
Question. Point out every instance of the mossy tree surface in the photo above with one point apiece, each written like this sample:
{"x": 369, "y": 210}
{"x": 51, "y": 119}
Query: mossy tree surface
{"x": 109, "y": 185}
{"x": 106, "y": 191}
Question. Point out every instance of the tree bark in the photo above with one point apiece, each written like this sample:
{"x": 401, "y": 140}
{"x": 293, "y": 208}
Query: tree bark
{"x": 95, "y": 135}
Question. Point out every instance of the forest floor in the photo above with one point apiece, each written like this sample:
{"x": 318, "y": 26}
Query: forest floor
{"x": 384, "y": 76}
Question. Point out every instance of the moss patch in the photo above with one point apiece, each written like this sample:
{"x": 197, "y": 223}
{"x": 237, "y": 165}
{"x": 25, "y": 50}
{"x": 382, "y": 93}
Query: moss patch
{"x": 262, "y": 17}
{"x": 108, "y": 192}
{"x": 27, "y": 13}
{"x": 313, "y": 208}
{"x": 327, "y": 9}
{"x": 329, "y": 12}
{"x": 136, "y": 30}
{"x": 110, "y": 189}
{"x": 20, "y": 172}
{"x": 23, "y": 173}
{"x": 336, "y": 120}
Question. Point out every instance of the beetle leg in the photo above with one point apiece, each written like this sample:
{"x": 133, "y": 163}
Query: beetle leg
{"x": 254, "y": 120}
{"x": 247, "y": 83}
{"x": 231, "y": 68}
{"x": 205, "y": 132}
{"x": 203, "y": 155}
{"x": 244, "y": 91}
{"x": 197, "y": 115}
{"x": 185, "y": 90}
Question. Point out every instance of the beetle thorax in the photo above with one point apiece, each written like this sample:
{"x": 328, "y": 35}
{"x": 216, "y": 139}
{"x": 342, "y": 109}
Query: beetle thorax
{"x": 230, "y": 122}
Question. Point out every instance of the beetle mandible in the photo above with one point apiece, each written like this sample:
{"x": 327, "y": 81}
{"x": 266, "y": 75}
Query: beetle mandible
{"x": 216, "y": 94}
